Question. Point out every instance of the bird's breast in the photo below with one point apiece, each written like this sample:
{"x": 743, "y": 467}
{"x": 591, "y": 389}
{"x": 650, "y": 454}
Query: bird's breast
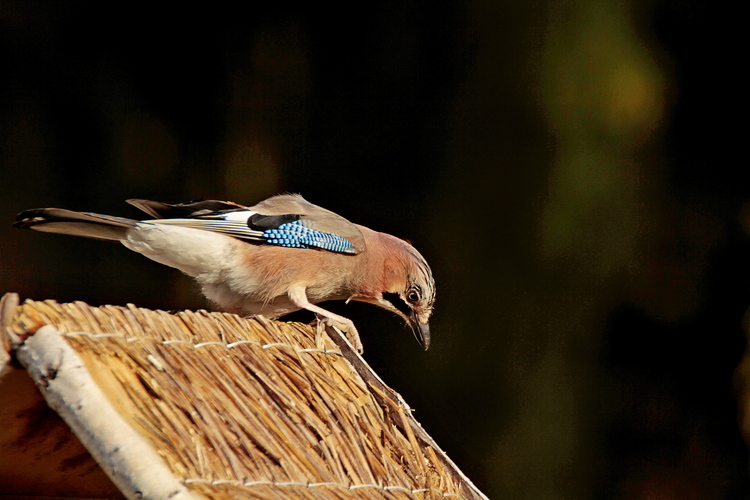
{"x": 261, "y": 276}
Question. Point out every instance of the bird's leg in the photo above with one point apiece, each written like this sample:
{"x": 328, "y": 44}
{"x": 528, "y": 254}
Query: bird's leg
{"x": 298, "y": 296}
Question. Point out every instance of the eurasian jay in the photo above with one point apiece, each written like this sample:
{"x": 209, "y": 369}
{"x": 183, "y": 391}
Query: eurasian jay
{"x": 281, "y": 255}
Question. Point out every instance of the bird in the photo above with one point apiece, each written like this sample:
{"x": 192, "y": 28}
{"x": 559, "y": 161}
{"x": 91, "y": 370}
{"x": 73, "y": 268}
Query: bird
{"x": 276, "y": 257}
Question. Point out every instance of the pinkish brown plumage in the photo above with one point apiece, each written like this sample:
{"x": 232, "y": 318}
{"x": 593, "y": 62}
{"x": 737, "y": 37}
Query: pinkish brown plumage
{"x": 279, "y": 256}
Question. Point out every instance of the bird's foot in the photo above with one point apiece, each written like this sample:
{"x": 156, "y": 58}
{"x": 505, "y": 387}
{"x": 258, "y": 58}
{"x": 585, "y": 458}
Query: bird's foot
{"x": 345, "y": 325}
{"x": 298, "y": 296}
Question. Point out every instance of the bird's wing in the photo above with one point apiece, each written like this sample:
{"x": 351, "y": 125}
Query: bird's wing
{"x": 292, "y": 222}
{"x": 159, "y": 210}
{"x": 314, "y": 217}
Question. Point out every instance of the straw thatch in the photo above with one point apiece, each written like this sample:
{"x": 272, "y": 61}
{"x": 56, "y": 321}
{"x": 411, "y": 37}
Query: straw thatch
{"x": 213, "y": 405}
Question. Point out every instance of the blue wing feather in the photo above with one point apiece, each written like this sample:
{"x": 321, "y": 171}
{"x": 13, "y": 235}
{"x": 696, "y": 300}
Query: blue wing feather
{"x": 296, "y": 235}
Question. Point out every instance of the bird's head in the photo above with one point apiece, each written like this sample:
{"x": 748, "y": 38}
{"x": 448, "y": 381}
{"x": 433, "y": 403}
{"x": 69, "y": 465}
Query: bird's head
{"x": 410, "y": 293}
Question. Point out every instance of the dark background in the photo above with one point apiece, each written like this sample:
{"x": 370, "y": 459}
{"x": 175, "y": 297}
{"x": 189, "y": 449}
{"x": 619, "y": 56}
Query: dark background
{"x": 570, "y": 169}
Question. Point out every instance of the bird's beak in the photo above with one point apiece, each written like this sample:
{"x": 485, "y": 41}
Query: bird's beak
{"x": 421, "y": 331}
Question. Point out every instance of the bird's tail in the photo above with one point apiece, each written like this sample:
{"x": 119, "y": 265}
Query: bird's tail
{"x": 88, "y": 225}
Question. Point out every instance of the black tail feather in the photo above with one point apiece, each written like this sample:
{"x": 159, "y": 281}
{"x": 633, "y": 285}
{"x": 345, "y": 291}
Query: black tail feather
{"x": 85, "y": 224}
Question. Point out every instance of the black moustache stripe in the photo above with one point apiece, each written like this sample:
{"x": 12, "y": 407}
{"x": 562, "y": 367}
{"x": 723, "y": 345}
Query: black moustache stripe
{"x": 397, "y": 302}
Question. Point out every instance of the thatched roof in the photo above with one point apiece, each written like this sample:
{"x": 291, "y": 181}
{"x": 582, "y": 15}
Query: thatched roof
{"x": 210, "y": 404}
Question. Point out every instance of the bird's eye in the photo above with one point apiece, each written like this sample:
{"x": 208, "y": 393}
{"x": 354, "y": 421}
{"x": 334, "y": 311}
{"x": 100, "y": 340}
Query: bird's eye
{"x": 413, "y": 296}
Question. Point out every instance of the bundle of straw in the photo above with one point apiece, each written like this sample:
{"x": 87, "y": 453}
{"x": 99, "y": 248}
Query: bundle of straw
{"x": 199, "y": 404}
